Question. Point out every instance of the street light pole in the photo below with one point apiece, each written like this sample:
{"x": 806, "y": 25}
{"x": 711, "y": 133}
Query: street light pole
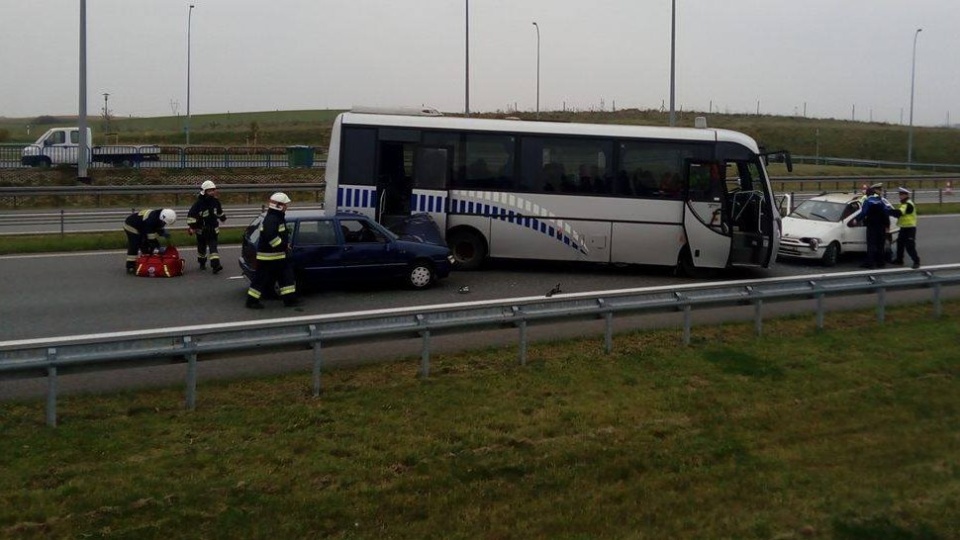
{"x": 84, "y": 145}
{"x": 106, "y": 112}
{"x": 673, "y": 60}
{"x": 538, "y": 68}
{"x": 189, "y": 24}
{"x": 913, "y": 73}
{"x": 466, "y": 99}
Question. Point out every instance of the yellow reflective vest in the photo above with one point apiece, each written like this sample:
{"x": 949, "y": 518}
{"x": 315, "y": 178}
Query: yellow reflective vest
{"x": 908, "y": 214}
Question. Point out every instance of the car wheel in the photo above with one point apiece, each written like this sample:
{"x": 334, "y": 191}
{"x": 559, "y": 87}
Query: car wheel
{"x": 420, "y": 275}
{"x": 831, "y": 254}
{"x": 469, "y": 249}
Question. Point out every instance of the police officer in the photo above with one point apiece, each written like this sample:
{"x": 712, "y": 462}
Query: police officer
{"x": 907, "y": 220}
{"x": 272, "y": 262}
{"x": 144, "y": 229}
{"x": 875, "y": 214}
{"x": 203, "y": 220}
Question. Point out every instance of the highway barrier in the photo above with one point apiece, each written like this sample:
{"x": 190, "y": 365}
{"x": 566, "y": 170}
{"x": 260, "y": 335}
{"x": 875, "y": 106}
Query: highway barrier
{"x": 55, "y": 356}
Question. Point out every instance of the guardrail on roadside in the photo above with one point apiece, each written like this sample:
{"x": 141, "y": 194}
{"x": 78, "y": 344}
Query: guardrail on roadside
{"x": 95, "y": 193}
{"x": 63, "y": 221}
{"x": 170, "y": 156}
{"x": 53, "y": 356}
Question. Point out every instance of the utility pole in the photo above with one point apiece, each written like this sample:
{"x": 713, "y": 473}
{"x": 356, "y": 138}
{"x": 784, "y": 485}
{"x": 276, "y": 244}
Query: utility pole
{"x": 106, "y": 113}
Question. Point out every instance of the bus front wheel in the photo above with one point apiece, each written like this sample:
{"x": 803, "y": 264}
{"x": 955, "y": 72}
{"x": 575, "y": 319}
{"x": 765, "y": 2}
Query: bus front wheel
{"x": 469, "y": 249}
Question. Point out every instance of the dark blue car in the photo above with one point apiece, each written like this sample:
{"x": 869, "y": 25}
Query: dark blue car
{"x": 354, "y": 248}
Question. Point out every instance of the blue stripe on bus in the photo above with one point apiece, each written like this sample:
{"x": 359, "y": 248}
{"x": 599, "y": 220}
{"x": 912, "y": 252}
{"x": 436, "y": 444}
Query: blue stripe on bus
{"x": 366, "y": 198}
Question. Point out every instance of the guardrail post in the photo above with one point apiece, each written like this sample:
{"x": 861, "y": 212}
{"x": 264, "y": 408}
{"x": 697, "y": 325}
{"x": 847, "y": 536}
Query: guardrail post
{"x": 758, "y": 317}
{"x": 63, "y": 225}
{"x": 52, "y": 388}
{"x": 191, "y": 372}
{"x": 937, "y": 307}
{"x": 425, "y": 350}
{"x": 522, "y": 325}
{"x": 881, "y": 305}
{"x": 687, "y": 319}
{"x": 607, "y": 328}
{"x": 317, "y": 359}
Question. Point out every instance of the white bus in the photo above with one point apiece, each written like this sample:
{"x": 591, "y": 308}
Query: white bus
{"x": 686, "y": 197}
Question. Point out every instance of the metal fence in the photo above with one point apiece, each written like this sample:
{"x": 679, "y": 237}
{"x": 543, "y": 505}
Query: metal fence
{"x": 854, "y": 162}
{"x": 51, "y": 357}
{"x": 160, "y": 156}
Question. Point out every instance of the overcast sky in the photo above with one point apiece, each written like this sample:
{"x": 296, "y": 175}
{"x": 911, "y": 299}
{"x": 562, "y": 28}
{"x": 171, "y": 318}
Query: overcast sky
{"x": 833, "y": 58}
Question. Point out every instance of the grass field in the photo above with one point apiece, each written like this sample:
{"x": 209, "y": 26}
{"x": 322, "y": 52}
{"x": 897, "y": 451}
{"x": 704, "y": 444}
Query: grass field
{"x": 796, "y": 434}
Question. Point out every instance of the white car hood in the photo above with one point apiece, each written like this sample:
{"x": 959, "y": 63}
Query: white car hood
{"x": 798, "y": 228}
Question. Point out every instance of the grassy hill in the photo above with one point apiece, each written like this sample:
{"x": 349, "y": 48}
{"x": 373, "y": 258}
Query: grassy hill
{"x": 802, "y": 136}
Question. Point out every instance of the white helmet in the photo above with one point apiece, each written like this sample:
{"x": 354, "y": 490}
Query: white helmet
{"x": 277, "y": 199}
{"x": 207, "y": 186}
{"x": 168, "y": 216}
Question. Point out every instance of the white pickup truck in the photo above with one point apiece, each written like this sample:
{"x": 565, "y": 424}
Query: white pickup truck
{"x": 58, "y": 146}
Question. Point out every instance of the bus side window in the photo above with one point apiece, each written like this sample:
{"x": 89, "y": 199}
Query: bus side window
{"x": 553, "y": 176}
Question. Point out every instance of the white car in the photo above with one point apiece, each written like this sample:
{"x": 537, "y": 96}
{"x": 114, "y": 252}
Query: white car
{"x": 824, "y": 227}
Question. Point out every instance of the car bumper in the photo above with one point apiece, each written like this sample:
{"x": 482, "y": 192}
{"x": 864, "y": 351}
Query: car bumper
{"x": 246, "y": 269}
{"x": 799, "y": 250}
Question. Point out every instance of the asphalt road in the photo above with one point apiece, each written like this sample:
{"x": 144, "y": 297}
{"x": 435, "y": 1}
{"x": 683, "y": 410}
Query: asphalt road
{"x": 89, "y": 293}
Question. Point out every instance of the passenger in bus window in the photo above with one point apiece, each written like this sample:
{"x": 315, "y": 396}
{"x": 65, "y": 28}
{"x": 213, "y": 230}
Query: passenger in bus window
{"x": 623, "y": 183}
{"x": 586, "y": 180}
{"x": 552, "y": 176}
{"x": 670, "y": 185}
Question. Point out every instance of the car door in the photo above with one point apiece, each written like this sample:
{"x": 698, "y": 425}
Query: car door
{"x": 854, "y": 232}
{"x": 369, "y": 252}
{"x": 316, "y": 251}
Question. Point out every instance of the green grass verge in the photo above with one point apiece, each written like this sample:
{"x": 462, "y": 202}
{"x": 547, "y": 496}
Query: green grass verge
{"x": 52, "y": 243}
{"x": 851, "y": 433}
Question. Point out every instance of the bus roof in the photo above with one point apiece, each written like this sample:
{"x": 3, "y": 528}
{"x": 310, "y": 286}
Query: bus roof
{"x": 549, "y": 128}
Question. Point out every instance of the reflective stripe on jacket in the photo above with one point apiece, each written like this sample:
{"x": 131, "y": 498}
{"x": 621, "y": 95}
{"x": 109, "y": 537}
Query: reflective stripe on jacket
{"x": 908, "y": 214}
{"x": 206, "y": 213}
{"x": 274, "y": 237}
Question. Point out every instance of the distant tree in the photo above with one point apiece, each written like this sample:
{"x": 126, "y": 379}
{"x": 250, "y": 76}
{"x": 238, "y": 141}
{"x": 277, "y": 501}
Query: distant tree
{"x": 41, "y": 120}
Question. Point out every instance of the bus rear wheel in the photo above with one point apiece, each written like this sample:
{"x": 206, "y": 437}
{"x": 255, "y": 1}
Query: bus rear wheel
{"x": 469, "y": 249}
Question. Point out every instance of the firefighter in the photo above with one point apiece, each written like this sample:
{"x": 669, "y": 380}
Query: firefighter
{"x": 273, "y": 265}
{"x": 144, "y": 229}
{"x": 203, "y": 220}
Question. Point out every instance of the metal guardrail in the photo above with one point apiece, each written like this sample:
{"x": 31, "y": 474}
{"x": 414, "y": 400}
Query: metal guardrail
{"x": 65, "y": 220}
{"x": 50, "y": 357}
{"x": 856, "y": 183}
{"x": 62, "y": 221}
{"x": 165, "y": 156}
{"x": 855, "y": 162}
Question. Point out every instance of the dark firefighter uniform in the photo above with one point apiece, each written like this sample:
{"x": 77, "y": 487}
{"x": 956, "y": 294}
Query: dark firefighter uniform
{"x": 144, "y": 229}
{"x": 272, "y": 263}
{"x": 203, "y": 220}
